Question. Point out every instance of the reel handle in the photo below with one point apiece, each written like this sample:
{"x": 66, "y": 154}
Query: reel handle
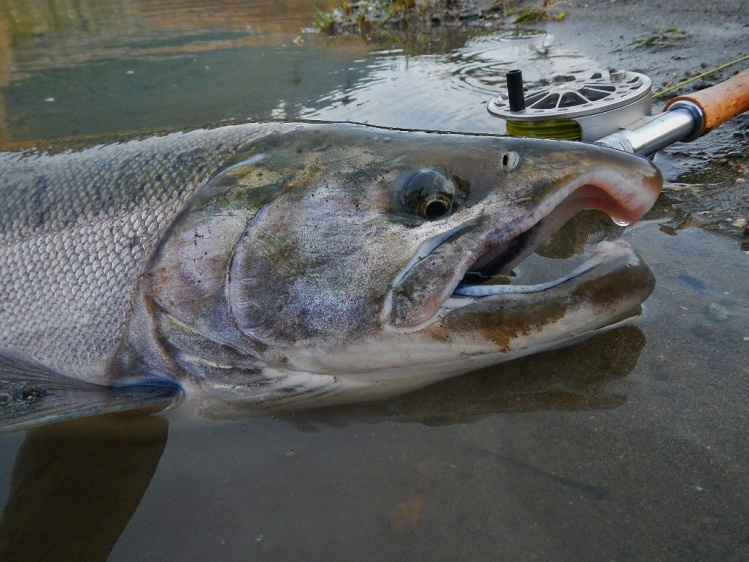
{"x": 721, "y": 102}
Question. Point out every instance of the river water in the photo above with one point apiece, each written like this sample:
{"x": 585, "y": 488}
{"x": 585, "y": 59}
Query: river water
{"x": 629, "y": 446}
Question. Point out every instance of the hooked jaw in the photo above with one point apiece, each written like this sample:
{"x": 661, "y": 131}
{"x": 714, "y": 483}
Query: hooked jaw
{"x": 468, "y": 256}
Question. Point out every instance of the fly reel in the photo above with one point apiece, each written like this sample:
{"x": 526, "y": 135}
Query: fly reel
{"x": 573, "y": 106}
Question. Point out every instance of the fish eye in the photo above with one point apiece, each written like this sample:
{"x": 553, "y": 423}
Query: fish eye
{"x": 430, "y": 193}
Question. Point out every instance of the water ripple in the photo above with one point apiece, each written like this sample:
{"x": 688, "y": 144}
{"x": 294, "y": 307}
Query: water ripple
{"x": 446, "y": 91}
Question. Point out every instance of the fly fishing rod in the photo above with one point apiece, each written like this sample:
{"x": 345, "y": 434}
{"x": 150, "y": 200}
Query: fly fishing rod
{"x": 686, "y": 118}
{"x": 613, "y": 109}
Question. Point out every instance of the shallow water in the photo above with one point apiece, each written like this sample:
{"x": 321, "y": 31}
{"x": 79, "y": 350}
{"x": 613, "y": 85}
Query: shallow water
{"x": 631, "y": 445}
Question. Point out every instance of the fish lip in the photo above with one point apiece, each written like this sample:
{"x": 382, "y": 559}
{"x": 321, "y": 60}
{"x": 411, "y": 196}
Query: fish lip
{"x": 609, "y": 193}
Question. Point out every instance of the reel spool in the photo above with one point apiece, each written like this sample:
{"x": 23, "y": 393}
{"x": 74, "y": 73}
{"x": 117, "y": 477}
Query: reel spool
{"x": 573, "y": 107}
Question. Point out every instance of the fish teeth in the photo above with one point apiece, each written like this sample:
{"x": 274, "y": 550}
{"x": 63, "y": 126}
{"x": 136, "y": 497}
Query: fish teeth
{"x": 490, "y": 290}
{"x": 604, "y": 251}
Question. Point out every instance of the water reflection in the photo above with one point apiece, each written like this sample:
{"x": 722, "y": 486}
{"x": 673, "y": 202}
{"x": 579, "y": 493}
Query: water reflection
{"x": 144, "y": 93}
{"x": 93, "y": 67}
{"x": 455, "y": 85}
{"x": 92, "y": 28}
{"x": 76, "y": 485}
{"x": 69, "y": 68}
{"x": 572, "y": 379}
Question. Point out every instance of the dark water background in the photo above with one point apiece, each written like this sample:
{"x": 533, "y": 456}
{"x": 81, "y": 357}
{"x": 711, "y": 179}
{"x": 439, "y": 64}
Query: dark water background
{"x": 630, "y": 446}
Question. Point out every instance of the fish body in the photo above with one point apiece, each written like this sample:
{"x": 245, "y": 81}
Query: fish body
{"x": 290, "y": 265}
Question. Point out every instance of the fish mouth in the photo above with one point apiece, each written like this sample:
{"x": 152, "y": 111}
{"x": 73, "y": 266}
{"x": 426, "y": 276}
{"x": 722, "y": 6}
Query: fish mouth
{"x": 478, "y": 262}
{"x": 491, "y": 272}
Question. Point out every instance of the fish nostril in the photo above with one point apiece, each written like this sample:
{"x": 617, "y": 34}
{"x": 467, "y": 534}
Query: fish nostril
{"x": 509, "y": 160}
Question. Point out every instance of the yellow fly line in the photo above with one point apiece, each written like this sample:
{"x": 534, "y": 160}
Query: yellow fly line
{"x": 560, "y": 129}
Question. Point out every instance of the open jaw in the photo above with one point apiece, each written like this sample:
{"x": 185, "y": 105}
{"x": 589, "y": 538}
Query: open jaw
{"x": 478, "y": 265}
{"x": 492, "y": 271}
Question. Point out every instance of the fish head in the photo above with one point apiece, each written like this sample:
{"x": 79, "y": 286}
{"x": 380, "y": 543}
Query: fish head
{"x": 343, "y": 263}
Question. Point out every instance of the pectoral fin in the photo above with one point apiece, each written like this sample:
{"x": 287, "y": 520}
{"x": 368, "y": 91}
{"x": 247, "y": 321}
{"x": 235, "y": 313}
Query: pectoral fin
{"x": 32, "y": 395}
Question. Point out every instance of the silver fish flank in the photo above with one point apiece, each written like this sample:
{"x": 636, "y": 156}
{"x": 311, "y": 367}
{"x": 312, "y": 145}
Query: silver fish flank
{"x": 296, "y": 265}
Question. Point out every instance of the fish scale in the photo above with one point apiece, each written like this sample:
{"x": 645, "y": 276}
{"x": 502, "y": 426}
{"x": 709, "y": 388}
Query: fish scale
{"x": 74, "y": 235}
{"x": 289, "y": 265}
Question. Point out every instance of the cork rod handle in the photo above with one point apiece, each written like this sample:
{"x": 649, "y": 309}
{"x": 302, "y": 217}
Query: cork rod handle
{"x": 721, "y": 102}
